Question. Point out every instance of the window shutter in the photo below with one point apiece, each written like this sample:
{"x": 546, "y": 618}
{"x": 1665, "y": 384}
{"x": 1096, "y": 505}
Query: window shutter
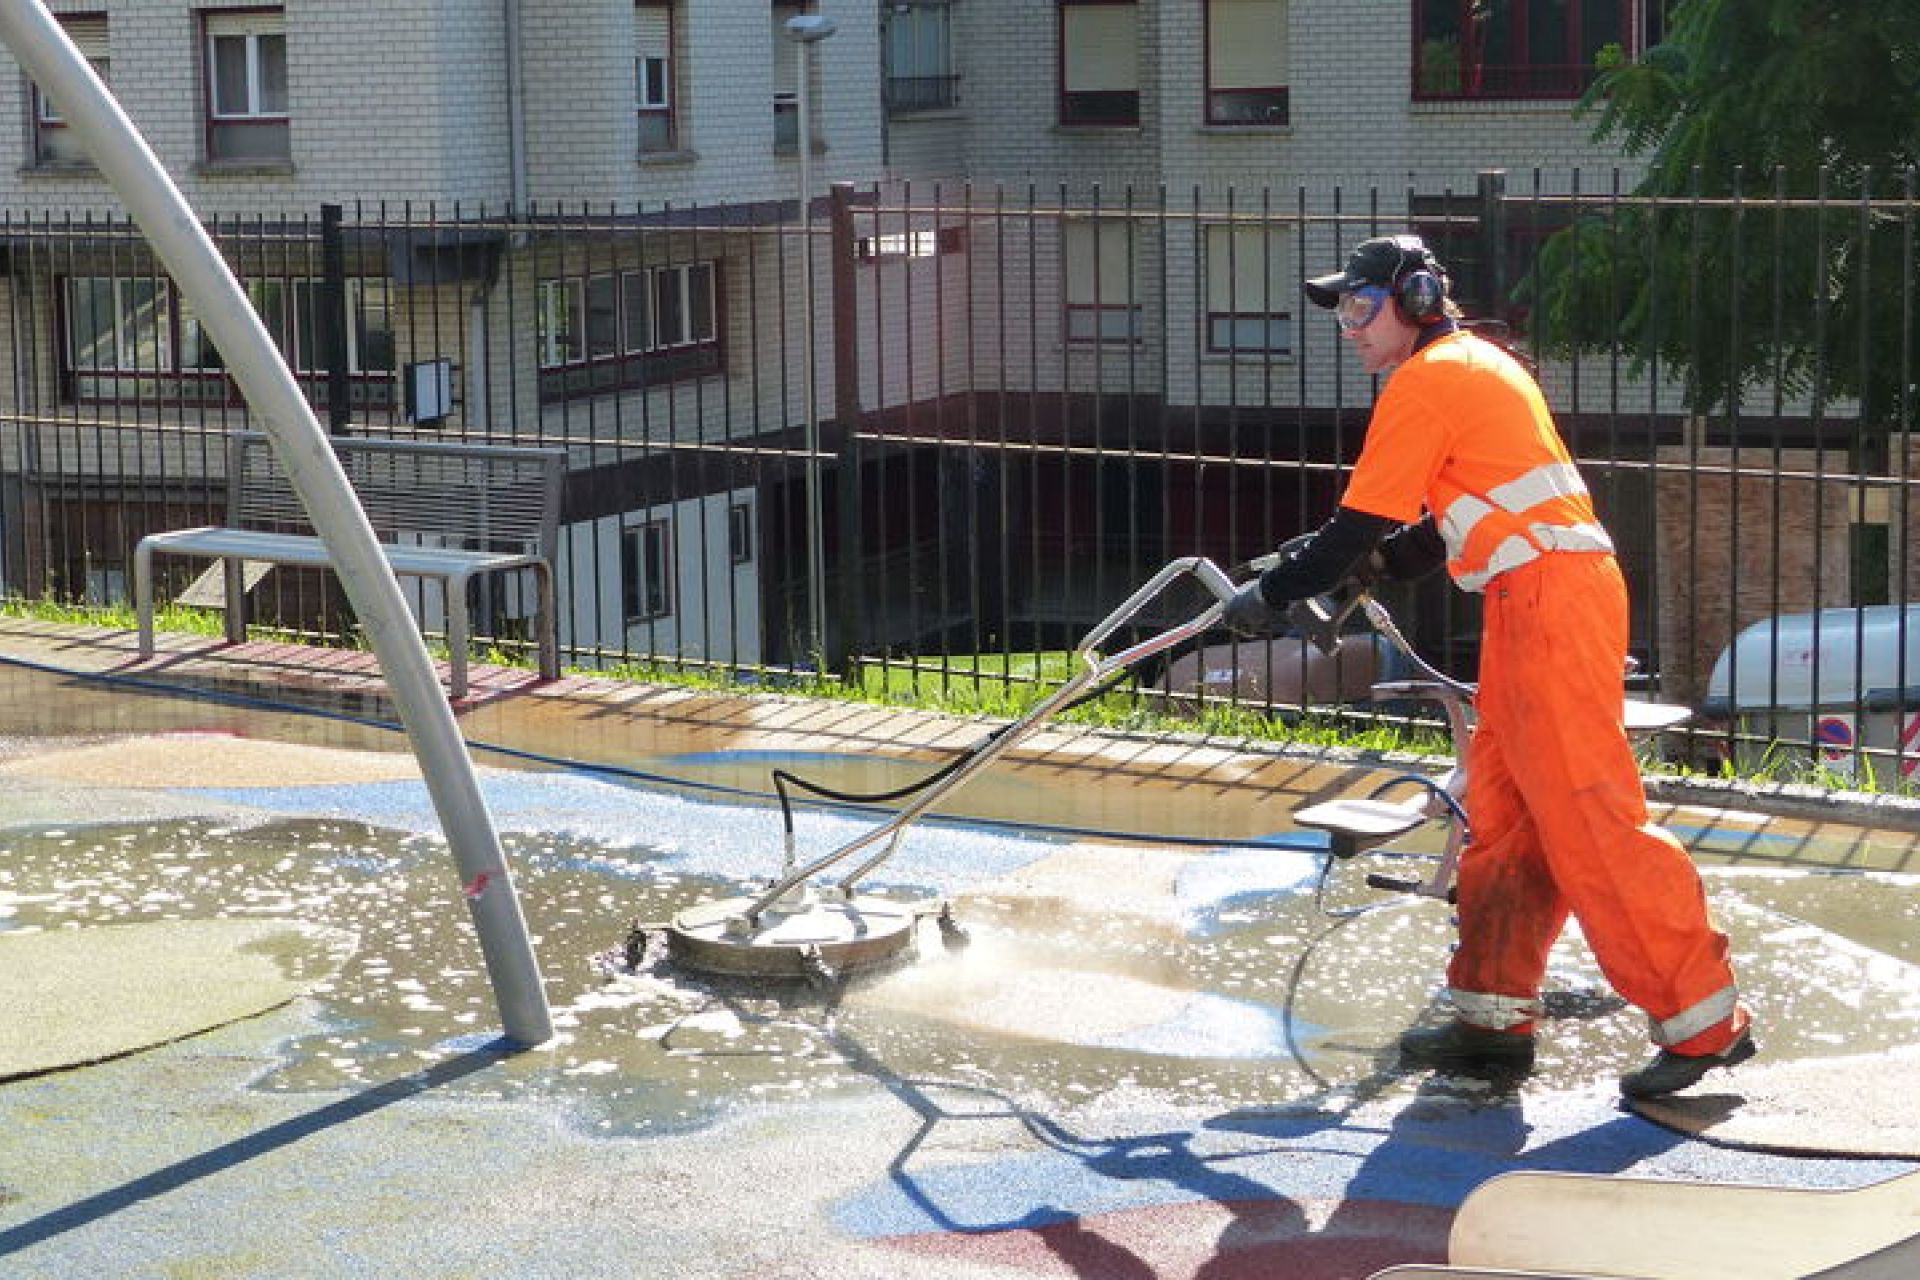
{"x": 652, "y": 30}
{"x": 246, "y": 23}
{"x": 1246, "y": 44}
{"x": 89, "y": 36}
{"x": 1244, "y": 266}
{"x": 1102, "y": 47}
{"x": 1099, "y": 256}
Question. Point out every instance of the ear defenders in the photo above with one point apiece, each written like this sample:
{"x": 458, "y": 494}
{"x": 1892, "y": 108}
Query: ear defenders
{"x": 1419, "y": 282}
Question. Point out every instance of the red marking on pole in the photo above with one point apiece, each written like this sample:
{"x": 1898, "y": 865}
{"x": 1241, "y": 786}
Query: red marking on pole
{"x": 1910, "y": 741}
{"x": 479, "y": 885}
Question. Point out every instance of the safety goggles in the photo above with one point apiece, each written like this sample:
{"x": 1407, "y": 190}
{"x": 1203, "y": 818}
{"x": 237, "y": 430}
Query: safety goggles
{"x": 1357, "y": 309}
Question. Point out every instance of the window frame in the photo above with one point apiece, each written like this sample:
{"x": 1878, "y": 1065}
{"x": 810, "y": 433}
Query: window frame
{"x": 92, "y": 34}
{"x": 935, "y": 90}
{"x": 659, "y": 103}
{"x": 1098, "y": 108}
{"x": 250, "y": 24}
{"x": 740, "y": 539}
{"x": 182, "y": 371}
{"x": 784, "y": 73}
{"x": 569, "y": 361}
{"x": 1109, "y": 235}
{"x": 1520, "y": 76}
{"x": 646, "y": 571}
{"x": 1277, "y": 271}
{"x": 1437, "y": 220}
{"x": 1272, "y": 101}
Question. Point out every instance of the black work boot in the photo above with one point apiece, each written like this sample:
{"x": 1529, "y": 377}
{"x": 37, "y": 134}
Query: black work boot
{"x": 1670, "y": 1072}
{"x": 1462, "y": 1045}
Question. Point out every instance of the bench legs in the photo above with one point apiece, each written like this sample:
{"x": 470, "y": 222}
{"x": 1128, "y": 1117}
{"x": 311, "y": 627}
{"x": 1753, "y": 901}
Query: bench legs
{"x": 546, "y": 621}
{"x": 457, "y": 631}
{"x": 234, "y": 569}
{"x": 459, "y": 627}
{"x": 236, "y": 578}
{"x": 143, "y": 595}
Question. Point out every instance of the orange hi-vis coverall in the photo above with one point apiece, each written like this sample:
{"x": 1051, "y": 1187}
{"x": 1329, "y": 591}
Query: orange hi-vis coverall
{"x": 1554, "y": 798}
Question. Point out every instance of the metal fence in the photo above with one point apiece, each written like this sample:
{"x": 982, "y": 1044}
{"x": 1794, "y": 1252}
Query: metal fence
{"x": 1023, "y": 401}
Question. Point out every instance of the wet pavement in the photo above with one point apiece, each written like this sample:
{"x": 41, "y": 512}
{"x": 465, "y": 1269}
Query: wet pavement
{"x": 1165, "y": 1052}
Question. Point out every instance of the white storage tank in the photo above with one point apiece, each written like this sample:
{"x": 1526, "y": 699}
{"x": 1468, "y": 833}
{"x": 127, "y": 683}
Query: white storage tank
{"x": 1846, "y": 679}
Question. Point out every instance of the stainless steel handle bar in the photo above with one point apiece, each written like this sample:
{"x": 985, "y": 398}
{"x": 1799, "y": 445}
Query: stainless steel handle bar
{"x": 1093, "y": 667}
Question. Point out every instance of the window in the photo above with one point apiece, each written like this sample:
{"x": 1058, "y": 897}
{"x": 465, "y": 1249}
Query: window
{"x": 1524, "y": 48}
{"x": 1448, "y": 226}
{"x": 653, "y": 75}
{"x": 618, "y": 330}
{"x": 1099, "y": 62}
{"x": 919, "y": 56}
{"x": 1098, "y": 259}
{"x": 646, "y": 571}
{"x": 246, "y": 85}
{"x": 130, "y": 337}
{"x": 786, "y": 77}
{"x": 740, "y": 533}
{"x": 53, "y": 142}
{"x": 1249, "y": 274}
{"x": 904, "y": 244}
{"x": 119, "y": 324}
{"x": 1247, "y": 62}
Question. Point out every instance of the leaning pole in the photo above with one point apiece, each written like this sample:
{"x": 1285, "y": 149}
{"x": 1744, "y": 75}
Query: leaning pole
{"x": 275, "y": 399}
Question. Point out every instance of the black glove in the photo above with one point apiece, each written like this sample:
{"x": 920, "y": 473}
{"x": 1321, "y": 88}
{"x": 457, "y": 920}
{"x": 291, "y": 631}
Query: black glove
{"x": 1248, "y": 613}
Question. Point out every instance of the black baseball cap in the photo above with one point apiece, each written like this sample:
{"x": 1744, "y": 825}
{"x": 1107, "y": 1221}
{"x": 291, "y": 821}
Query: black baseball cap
{"x": 1379, "y": 261}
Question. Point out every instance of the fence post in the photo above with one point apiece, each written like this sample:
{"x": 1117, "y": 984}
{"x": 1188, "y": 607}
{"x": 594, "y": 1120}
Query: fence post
{"x": 847, "y": 641}
{"x": 333, "y": 319}
{"x": 1492, "y": 284}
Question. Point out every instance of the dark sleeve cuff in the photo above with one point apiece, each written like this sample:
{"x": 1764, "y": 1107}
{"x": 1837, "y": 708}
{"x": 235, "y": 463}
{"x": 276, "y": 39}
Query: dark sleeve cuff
{"x": 1414, "y": 552}
{"x": 1326, "y": 559}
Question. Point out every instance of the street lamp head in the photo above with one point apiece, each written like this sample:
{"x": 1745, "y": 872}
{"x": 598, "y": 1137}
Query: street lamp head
{"x": 810, "y": 28}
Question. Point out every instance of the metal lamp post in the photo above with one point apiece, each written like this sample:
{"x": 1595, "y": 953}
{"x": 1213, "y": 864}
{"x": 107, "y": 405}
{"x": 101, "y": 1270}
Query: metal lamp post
{"x": 806, "y": 31}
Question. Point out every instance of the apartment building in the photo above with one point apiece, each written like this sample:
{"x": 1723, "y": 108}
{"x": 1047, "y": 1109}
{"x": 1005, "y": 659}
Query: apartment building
{"x": 581, "y": 215}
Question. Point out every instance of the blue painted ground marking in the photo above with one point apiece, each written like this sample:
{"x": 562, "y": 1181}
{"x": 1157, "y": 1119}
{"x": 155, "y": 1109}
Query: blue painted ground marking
{"x": 1427, "y": 1156}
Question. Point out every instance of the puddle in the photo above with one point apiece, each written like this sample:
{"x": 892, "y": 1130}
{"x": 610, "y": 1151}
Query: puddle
{"x": 1269, "y": 1003}
{"x": 1208, "y": 977}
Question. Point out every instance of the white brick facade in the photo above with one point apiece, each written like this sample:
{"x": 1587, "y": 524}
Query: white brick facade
{"x": 407, "y": 100}
{"x": 401, "y": 109}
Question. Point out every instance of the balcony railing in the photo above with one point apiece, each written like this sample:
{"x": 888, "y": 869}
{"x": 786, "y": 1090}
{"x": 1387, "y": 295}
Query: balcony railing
{"x": 907, "y": 94}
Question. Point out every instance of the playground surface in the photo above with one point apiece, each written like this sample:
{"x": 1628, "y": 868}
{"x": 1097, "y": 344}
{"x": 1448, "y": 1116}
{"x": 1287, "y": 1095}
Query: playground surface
{"x": 250, "y": 1034}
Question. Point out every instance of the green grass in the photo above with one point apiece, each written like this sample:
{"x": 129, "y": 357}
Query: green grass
{"x": 998, "y": 685}
{"x": 1008, "y": 686}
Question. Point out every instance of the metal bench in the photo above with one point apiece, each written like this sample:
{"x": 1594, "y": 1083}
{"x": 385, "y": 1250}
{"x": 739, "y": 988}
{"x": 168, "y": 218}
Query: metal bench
{"x": 441, "y": 510}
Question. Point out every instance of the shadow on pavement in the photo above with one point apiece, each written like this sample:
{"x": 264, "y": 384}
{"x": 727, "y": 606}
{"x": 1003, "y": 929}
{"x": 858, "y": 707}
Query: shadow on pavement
{"x": 233, "y": 1154}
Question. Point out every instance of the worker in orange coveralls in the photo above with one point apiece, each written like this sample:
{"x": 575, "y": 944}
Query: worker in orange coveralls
{"x": 1463, "y": 465}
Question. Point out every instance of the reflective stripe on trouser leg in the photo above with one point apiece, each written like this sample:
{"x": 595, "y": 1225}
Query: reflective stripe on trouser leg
{"x": 1551, "y": 702}
{"x": 1496, "y": 1012}
{"x": 1717, "y": 1008}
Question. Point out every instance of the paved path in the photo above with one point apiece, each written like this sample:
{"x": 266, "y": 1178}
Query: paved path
{"x": 1156, "y": 1060}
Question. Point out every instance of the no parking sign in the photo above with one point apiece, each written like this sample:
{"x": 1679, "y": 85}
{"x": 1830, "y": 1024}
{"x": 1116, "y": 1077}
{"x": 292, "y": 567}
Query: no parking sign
{"x": 1837, "y": 738}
